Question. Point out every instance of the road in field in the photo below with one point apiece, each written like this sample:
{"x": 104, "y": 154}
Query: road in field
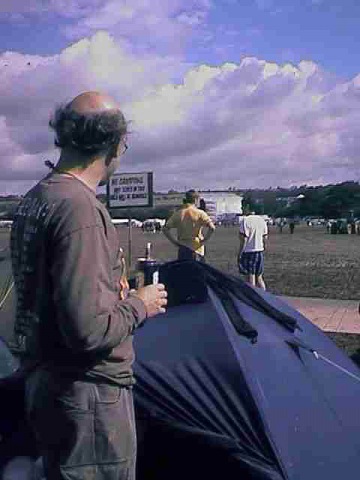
{"x": 310, "y": 263}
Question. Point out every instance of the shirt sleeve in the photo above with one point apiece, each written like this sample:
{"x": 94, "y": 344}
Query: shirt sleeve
{"x": 265, "y": 228}
{"x": 206, "y": 220}
{"x": 90, "y": 315}
{"x": 242, "y": 227}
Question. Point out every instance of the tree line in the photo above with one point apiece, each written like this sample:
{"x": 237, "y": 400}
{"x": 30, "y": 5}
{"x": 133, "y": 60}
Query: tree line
{"x": 340, "y": 200}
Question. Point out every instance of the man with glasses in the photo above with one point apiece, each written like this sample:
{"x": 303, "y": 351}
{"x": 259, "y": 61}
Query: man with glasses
{"x": 73, "y": 326}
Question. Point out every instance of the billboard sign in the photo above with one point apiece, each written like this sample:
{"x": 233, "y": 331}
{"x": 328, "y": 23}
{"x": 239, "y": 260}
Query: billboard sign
{"x": 126, "y": 190}
{"x": 222, "y": 203}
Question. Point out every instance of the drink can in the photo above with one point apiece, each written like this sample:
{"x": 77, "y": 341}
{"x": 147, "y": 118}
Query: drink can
{"x": 148, "y": 270}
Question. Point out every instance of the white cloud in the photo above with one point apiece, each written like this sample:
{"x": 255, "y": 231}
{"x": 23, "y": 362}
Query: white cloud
{"x": 191, "y": 18}
{"x": 64, "y": 8}
{"x": 249, "y": 124}
{"x": 31, "y": 86}
{"x": 146, "y": 24}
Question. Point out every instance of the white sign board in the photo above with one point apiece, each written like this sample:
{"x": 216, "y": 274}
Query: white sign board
{"x": 218, "y": 203}
{"x": 126, "y": 190}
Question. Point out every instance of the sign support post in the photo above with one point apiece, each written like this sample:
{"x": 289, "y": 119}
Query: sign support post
{"x": 130, "y": 243}
{"x": 129, "y": 190}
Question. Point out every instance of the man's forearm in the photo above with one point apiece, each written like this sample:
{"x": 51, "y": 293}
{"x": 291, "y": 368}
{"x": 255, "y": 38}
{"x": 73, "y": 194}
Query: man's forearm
{"x": 242, "y": 242}
{"x": 208, "y": 234}
{"x": 265, "y": 242}
{"x": 92, "y": 319}
{"x": 168, "y": 235}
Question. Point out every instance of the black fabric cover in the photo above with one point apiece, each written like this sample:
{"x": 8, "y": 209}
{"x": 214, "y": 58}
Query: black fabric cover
{"x": 238, "y": 385}
{"x": 16, "y": 438}
{"x": 213, "y": 403}
{"x": 185, "y": 282}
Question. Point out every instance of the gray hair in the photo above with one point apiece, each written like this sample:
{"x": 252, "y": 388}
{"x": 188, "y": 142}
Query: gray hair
{"x": 90, "y": 133}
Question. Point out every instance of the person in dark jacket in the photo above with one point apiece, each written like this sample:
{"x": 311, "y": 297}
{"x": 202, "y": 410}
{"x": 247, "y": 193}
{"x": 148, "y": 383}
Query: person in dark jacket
{"x": 74, "y": 323}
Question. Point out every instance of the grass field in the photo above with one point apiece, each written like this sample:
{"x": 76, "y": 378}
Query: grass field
{"x": 310, "y": 263}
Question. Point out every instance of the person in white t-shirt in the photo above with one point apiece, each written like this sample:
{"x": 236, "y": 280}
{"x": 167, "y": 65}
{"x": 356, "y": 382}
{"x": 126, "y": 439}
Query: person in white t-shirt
{"x": 253, "y": 234}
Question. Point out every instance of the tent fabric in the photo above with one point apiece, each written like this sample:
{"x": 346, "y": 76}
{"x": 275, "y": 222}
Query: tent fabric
{"x": 15, "y": 434}
{"x": 199, "y": 395}
{"x": 280, "y": 404}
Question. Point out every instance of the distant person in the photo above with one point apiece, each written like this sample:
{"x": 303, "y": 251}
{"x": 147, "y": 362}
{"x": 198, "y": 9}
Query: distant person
{"x": 292, "y": 226}
{"x": 202, "y": 205}
{"x": 253, "y": 232}
{"x": 149, "y": 227}
{"x": 75, "y": 319}
{"x": 357, "y": 227}
{"x": 189, "y": 222}
{"x": 281, "y": 224}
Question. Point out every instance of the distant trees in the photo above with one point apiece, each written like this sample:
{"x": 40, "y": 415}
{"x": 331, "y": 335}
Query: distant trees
{"x": 249, "y": 201}
{"x": 326, "y": 201}
{"x": 330, "y": 201}
{"x": 342, "y": 200}
{"x": 270, "y": 203}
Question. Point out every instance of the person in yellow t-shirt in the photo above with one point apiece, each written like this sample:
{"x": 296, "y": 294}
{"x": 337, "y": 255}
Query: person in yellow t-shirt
{"x": 189, "y": 222}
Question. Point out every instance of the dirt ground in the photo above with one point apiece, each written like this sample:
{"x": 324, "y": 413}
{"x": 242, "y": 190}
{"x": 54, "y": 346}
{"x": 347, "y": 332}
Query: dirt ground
{"x": 309, "y": 263}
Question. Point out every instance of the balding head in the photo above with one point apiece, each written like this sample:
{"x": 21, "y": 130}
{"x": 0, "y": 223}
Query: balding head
{"x": 92, "y": 124}
{"x": 92, "y": 103}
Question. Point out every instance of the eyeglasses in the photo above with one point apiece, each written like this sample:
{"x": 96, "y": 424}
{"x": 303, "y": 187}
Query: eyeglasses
{"x": 125, "y": 148}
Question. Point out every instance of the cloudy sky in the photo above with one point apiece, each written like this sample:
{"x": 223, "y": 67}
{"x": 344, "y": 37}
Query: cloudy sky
{"x": 220, "y": 93}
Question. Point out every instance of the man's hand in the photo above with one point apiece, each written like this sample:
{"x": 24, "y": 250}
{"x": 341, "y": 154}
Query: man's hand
{"x": 242, "y": 241}
{"x": 154, "y": 298}
{"x": 210, "y": 230}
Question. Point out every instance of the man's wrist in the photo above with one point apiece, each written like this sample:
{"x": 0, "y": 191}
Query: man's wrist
{"x": 138, "y": 305}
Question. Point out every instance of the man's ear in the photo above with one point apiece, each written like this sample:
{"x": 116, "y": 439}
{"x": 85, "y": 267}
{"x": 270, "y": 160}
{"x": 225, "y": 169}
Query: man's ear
{"x": 108, "y": 159}
{"x": 111, "y": 154}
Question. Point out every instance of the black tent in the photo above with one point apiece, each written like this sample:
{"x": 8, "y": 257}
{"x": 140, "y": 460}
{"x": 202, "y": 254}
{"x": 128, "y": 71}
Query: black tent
{"x": 233, "y": 383}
